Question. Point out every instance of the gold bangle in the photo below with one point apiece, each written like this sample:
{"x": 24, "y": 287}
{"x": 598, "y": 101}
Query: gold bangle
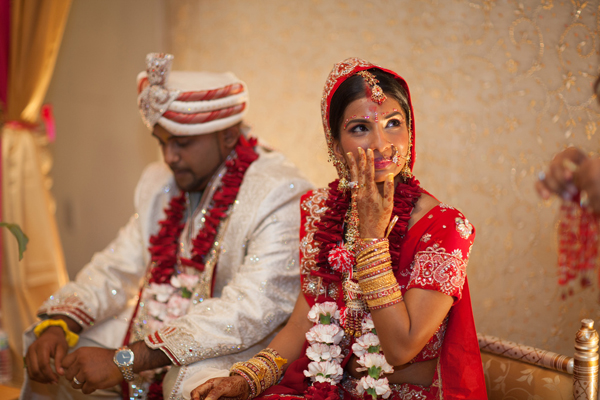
{"x": 71, "y": 337}
{"x": 249, "y": 375}
{"x": 375, "y": 248}
{"x": 375, "y": 285}
{"x": 372, "y": 251}
{"x": 248, "y": 380}
{"x": 381, "y": 265}
{"x": 366, "y": 243}
{"x": 383, "y": 292}
{"x": 273, "y": 359}
{"x": 375, "y": 271}
{"x": 386, "y": 301}
{"x": 361, "y": 264}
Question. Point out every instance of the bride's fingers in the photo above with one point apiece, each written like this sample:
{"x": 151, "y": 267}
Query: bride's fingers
{"x": 353, "y": 168}
{"x": 370, "y": 171}
{"x": 202, "y": 390}
{"x": 388, "y": 193}
{"x": 362, "y": 166}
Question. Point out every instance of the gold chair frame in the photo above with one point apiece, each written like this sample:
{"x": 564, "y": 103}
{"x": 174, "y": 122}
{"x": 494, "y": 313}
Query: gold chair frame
{"x": 583, "y": 365}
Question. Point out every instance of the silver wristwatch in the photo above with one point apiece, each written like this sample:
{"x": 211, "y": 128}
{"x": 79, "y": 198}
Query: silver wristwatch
{"x": 124, "y": 360}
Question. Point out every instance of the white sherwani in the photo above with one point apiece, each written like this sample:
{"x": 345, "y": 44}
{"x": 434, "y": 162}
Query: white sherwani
{"x": 256, "y": 276}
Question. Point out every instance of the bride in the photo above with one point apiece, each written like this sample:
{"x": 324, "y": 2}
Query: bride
{"x": 385, "y": 308}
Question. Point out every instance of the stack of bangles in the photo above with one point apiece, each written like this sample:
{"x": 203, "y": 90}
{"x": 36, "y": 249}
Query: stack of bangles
{"x": 374, "y": 274}
{"x": 261, "y": 371}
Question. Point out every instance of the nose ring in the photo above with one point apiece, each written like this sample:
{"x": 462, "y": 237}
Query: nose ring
{"x": 396, "y": 155}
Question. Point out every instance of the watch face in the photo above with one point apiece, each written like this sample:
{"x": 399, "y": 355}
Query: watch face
{"x": 124, "y": 357}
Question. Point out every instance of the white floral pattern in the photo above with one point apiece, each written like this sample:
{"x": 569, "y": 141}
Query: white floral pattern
{"x": 464, "y": 227}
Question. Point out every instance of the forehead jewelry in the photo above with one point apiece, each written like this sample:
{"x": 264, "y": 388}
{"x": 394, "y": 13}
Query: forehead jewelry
{"x": 377, "y": 95}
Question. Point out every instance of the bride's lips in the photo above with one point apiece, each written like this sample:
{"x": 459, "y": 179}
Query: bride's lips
{"x": 382, "y": 163}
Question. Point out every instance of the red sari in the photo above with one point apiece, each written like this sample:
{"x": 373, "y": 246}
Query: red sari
{"x": 433, "y": 255}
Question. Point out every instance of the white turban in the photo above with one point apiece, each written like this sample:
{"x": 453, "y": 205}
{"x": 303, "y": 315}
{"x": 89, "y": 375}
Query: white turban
{"x": 189, "y": 103}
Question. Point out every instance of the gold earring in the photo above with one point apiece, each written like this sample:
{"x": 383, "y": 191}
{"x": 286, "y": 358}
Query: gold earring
{"x": 406, "y": 172}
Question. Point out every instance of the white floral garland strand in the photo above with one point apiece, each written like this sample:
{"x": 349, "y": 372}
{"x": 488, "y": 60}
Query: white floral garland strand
{"x": 368, "y": 349}
{"x": 325, "y": 354}
{"x": 324, "y": 336}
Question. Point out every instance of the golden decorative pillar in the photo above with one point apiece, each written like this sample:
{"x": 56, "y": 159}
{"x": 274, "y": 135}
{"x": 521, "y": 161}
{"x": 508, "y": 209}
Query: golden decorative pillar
{"x": 585, "y": 368}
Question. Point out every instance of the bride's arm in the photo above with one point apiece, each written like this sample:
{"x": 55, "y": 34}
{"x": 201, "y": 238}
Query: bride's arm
{"x": 288, "y": 343}
{"x": 406, "y": 327}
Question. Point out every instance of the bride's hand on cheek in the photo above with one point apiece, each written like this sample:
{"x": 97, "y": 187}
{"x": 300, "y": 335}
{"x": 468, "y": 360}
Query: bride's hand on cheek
{"x": 374, "y": 209}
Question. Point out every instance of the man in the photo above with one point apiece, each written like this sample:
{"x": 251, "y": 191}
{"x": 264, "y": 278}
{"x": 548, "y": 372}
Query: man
{"x": 204, "y": 271}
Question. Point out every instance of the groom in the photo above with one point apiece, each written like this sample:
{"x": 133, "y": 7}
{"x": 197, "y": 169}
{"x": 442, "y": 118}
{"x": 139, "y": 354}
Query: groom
{"x": 204, "y": 271}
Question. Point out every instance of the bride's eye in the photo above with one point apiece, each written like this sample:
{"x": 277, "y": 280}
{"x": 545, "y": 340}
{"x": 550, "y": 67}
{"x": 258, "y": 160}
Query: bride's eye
{"x": 360, "y": 128}
{"x": 394, "y": 122}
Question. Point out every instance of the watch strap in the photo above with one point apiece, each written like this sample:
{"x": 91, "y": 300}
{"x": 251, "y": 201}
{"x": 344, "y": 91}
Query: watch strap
{"x": 127, "y": 372}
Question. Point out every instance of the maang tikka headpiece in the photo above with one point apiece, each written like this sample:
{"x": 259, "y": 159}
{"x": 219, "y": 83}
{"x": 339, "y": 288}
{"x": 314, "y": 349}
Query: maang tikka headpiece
{"x": 376, "y": 94}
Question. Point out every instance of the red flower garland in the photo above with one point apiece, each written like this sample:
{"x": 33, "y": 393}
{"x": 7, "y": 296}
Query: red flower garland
{"x": 330, "y": 226}
{"x": 164, "y": 244}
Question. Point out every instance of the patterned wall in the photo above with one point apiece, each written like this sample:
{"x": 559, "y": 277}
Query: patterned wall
{"x": 498, "y": 87}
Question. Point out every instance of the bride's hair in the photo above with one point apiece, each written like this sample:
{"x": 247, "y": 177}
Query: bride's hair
{"x": 355, "y": 88}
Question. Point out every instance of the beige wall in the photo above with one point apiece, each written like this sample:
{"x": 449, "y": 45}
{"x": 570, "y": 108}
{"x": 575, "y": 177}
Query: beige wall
{"x": 498, "y": 87}
{"x": 101, "y": 144}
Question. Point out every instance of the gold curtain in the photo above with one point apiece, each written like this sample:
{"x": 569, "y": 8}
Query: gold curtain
{"x": 37, "y": 28}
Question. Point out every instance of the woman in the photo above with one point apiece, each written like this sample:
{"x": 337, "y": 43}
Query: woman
{"x": 383, "y": 268}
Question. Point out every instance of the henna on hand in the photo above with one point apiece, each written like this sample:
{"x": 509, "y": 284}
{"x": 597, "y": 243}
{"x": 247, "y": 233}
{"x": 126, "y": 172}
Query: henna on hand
{"x": 232, "y": 387}
{"x": 374, "y": 208}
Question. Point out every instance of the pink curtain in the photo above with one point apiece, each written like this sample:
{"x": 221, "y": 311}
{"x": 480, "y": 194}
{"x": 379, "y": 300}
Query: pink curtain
{"x": 4, "y": 52}
{"x": 4, "y": 47}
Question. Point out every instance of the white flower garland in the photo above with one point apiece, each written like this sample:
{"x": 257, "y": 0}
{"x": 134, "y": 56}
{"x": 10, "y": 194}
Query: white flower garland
{"x": 368, "y": 349}
{"x": 326, "y": 355}
{"x": 324, "y": 336}
{"x": 169, "y": 301}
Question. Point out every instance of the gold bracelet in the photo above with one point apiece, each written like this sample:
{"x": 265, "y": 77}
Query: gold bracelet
{"x": 384, "y": 292}
{"x": 386, "y": 301}
{"x": 374, "y": 285}
{"x": 275, "y": 360}
{"x": 375, "y": 271}
{"x": 366, "y": 243}
{"x": 362, "y": 264}
{"x": 372, "y": 252}
{"x": 382, "y": 266}
{"x": 246, "y": 373}
{"x": 261, "y": 371}
{"x": 249, "y": 381}
{"x": 375, "y": 248}
{"x": 71, "y": 337}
